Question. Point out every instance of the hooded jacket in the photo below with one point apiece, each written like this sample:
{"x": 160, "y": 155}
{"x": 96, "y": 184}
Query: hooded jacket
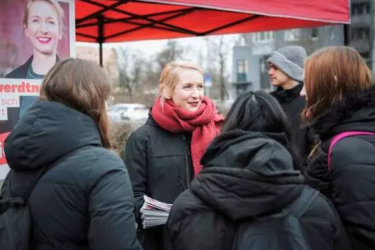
{"x": 246, "y": 175}
{"x": 84, "y": 200}
{"x": 351, "y": 182}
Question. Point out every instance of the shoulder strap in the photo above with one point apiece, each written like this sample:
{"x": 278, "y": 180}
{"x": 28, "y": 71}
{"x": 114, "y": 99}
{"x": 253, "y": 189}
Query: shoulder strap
{"x": 340, "y": 136}
{"x": 45, "y": 170}
{"x": 303, "y": 202}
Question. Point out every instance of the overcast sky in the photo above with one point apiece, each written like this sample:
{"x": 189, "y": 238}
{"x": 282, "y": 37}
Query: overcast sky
{"x": 151, "y": 47}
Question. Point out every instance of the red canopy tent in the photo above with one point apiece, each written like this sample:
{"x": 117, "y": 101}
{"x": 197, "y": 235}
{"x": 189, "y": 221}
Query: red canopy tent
{"x": 130, "y": 20}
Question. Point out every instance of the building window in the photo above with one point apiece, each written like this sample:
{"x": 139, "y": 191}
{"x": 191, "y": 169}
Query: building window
{"x": 314, "y": 34}
{"x": 264, "y": 77}
{"x": 361, "y": 33}
{"x": 365, "y": 55}
{"x": 292, "y": 35}
{"x": 242, "y": 66}
{"x": 361, "y": 8}
{"x": 263, "y": 37}
{"x": 368, "y": 8}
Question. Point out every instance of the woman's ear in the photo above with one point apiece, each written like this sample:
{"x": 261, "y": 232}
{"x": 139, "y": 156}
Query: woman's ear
{"x": 165, "y": 92}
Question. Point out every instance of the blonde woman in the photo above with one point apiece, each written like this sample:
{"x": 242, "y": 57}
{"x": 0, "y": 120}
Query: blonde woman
{"x": 84, "y": 199}
{"x": 163, "y": 156}
{"x": 43, "y": 26}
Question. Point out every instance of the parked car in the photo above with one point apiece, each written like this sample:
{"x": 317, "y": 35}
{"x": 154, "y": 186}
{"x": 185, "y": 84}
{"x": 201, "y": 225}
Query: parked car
{"x": 128, "y": 112}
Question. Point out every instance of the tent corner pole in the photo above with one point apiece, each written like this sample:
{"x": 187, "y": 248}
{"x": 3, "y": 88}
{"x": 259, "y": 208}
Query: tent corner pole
{"x": 346, "y": 34}
{"x": 101, "y": 54}
{"x": 100, "y": 39}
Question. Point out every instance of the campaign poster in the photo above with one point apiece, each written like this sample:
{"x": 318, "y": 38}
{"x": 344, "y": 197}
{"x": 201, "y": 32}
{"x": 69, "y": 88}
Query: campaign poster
{"x": 35, "y": 34}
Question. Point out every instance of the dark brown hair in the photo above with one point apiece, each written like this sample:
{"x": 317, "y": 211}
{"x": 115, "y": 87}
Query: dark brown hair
{"x": 83, "y": 86}
{"x": 330, "y": 74}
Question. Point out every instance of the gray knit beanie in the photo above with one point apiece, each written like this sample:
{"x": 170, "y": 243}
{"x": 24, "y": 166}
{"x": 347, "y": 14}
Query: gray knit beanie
{"x": 290, "y": 60}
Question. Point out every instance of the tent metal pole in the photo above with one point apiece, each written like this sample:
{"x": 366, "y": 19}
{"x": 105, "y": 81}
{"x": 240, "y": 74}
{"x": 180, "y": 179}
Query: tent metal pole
{"x": 346, "y": 34}
{"x": 101, "y": 54}
{"x": 100, "y": 38}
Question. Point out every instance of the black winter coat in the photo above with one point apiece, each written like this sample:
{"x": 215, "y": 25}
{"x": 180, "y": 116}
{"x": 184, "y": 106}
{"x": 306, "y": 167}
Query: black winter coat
{"x": 247, "y": 175}
{"x": 293, "y": 104}
{"x": 85, "y": 200}
{"x": 160, "y": 166}
{"x": 351, "y": 182}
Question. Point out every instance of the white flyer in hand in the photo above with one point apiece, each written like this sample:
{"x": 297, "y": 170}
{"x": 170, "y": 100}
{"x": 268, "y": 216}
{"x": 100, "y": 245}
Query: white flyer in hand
{"x": 154, "y": 213}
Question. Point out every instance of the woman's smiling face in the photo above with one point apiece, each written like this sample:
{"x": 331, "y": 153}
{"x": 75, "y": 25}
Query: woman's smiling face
{"x": 43, "y": 27}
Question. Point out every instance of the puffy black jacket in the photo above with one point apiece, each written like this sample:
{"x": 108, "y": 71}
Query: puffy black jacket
{"x": 160, "y": 167}
{"x": 293, "y": 105}
{"x": 351, "y": 182}
{"x": 247, "y": 175}
{"x": 85, "y": 201}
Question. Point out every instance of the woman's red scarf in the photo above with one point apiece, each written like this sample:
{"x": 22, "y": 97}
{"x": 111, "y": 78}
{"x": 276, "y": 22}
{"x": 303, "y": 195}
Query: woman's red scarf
{"x": 204, "y": 124}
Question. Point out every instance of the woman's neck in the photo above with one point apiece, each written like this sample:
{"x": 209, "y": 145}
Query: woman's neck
{"x": 43, "y": 63}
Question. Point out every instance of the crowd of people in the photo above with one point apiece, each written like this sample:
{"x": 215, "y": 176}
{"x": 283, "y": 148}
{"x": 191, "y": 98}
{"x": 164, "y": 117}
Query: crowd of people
{"x": 291, "y": 169}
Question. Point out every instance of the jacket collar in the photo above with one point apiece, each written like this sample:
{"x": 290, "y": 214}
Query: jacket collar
{"x": 354, "y": 112}
{"x": 288, "y": 95}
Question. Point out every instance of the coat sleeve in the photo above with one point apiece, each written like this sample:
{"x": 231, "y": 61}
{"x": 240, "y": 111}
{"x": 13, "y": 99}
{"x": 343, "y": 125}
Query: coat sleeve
{"x": 111, "y": 206}
{"x": 353, "y": 180}
{"x": 135, "y": 158}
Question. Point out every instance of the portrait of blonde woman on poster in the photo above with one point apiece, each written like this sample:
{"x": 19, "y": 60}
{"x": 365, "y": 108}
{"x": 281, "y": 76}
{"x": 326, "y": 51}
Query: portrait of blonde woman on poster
{"x": 43, "y": 25}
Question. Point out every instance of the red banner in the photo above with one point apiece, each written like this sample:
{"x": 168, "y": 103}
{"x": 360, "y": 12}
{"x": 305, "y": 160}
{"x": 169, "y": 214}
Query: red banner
{"x": 2, "y": 155}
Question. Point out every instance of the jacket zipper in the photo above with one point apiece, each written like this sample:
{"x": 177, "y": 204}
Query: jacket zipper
{"x": 186, "y": 162}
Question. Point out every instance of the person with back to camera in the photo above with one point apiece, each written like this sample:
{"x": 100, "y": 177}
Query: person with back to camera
{"x": 43, "y": 26}
{"x": 163, "y": 155}
{"x": 340, "y": 94}
{"x": 84, "y": 199}
{"x": 249, "y": 195}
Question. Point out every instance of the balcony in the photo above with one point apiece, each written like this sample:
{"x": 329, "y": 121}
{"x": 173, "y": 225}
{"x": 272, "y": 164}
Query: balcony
{"x": 364, "y": 19}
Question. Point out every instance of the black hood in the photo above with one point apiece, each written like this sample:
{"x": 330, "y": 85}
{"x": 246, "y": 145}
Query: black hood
{"x": 355, "y": 112}
{"x": 48, "y": 131}
{"x": 248, "y": 174}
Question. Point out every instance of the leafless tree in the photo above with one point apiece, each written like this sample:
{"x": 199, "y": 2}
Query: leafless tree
{"x": 131, "y": 66}
{"x": 218, "y": 54}
{"x": 171, "y": 52}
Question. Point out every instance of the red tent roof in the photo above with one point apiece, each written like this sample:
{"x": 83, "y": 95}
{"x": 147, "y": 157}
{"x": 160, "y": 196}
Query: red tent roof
{"x": 130, "y": 20}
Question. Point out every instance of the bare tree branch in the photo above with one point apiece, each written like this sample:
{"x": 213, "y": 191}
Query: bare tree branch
{"x": 130, "y": 68}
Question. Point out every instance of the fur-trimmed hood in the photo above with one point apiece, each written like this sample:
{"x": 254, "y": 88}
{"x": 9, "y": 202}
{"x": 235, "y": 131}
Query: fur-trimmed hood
{"x": 354, "y": 112}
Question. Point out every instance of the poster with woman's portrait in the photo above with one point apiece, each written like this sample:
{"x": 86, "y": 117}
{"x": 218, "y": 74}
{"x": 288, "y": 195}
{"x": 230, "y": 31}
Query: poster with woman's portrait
{"x": 35, "y": 34}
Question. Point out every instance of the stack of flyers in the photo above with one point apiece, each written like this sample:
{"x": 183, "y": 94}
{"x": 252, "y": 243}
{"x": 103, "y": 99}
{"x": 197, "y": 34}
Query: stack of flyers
{"x": 154, "y": 213}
